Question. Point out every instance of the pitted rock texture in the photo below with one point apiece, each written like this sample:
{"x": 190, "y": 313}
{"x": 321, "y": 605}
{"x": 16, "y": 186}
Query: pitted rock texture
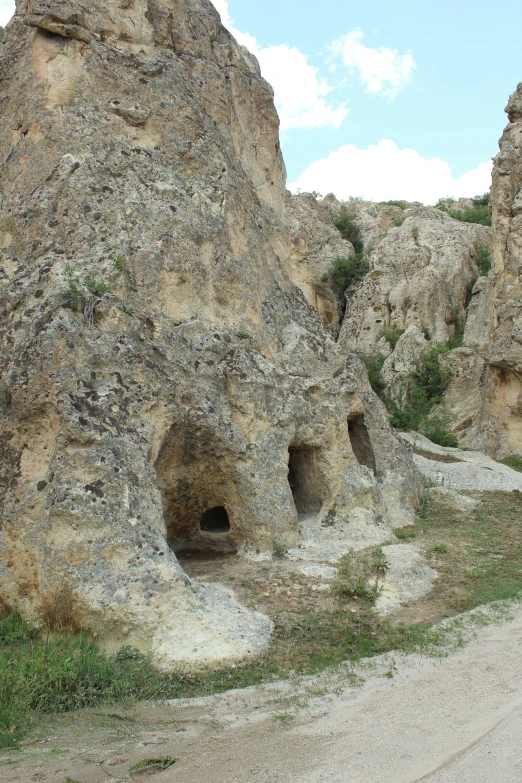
{"x": 494, "y": 421}
{"x": 164, "y": 384}
{"x": 420, "y": 275}
{"x": 316, "y": 243}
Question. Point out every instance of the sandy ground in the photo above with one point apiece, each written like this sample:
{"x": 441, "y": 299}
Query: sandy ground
{"x": 456, "y": 719}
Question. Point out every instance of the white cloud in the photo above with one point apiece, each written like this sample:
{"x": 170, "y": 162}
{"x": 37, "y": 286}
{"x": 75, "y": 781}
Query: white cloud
{"x": 383, "y": 172}
{"x": 7, "y": 9}
{"x": 383, "y": 71}
{"x": 300, "y": 93}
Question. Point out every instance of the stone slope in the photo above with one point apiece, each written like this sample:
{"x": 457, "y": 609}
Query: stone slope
{"x": 160, "y": 372}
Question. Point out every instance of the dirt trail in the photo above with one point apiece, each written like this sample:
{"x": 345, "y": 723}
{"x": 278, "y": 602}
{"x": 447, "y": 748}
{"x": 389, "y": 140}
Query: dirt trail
{"x": 455, "y": 719}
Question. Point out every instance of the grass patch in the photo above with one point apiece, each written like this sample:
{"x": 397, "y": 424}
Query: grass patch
{"x": 406, "y": 533}
{"x": 516, "y": 464}
{"x": 152, "y": 765}
{"x": 477, "y": 555}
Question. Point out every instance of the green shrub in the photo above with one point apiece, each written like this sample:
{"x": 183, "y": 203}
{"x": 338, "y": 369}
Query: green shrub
{"x": 444, "y": 203}
{"x": 392, "y": 333}
{"x": 373, "y": 368}
{"x": 399, "y": 220}
{"x": 349, "y": 231}
{"x": 345, "y": 271}
{"x": 478, "y": 214}
{"x": 415, "y": 232}
{"x": 97, "y": 287}
{"x": 483, "y": 260}
{"x": 75, "y": 295}
{"x": 400, "y": 204}
{"x": 419, "y": 393}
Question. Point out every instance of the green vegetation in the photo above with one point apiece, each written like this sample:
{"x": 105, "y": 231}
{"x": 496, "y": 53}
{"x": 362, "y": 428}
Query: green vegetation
{"x": 349, "y": 231}
{"x": 514, "y": 463}
{"x": 345, "y": 271}
{"x": 43, "y": 675}
{"x": 400, "y": 204}
{"x": 399, "y": 220}
{"x": 153, "y": 765}
{"x": 482, "y": 550}
{"x": 483, "y": 260}
{"x": 119, "y": 263}
{"x": 479, "y": 213}
{"x": 373, "y": 368}
{"x": 82, "y": 295}
{"x": 405, "y": 533}
{"x": 420, "y": 392}
{"x": 415, "y": 232}
{"x": 97, "y": 287}
{"x": 392, "y": 333}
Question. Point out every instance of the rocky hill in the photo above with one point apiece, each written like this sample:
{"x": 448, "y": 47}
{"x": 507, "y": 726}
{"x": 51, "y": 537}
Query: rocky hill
{"x": 164, "y": 384}
{"x": 437, "y": 311}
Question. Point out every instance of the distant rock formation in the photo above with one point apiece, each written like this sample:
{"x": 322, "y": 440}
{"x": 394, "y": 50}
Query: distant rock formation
{"x": 426, "y": 285}
{"x": 490, "y": 364}
{"x": 164, "y": 384}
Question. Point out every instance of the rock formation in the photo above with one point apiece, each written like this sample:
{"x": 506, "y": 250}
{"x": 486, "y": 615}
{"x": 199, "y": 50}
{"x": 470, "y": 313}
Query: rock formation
{"x": 164, "y": 384}
{"x": 485, "y": 394}
{"x": 420, "y": 274}
{"x": 425, "y": 287}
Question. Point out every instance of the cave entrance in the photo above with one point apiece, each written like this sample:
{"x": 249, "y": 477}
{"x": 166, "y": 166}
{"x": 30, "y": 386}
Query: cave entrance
{"x": 361, "y": 443}
{"x": 198, "y": 483}
{"x": 304, "y": 479}
{"x": 215, "y": 520}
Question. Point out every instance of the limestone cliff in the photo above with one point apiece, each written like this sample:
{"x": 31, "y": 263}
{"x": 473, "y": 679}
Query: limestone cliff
{"x": 426, "y": 286}
{"x": 160, "y": 372}
{"x": 492, "y": 360}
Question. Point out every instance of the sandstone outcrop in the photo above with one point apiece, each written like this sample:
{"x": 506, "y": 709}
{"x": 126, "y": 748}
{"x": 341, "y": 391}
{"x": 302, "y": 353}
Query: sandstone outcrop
{"x": 164, "y": 384}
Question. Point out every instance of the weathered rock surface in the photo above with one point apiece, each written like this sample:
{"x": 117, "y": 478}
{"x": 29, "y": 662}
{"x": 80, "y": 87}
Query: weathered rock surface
{"x": 494, "y": 329}
{"x": 461, "y": 469}
{"x": 420, "y": 275}
{"x": 160, "y": 372}
{"x": 316, "y": 243}
{"x": 408, "y": 578}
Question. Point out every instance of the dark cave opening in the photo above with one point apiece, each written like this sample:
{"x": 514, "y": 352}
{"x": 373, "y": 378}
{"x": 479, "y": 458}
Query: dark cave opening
{"x": 215, "y": 520}
{"x": 361, "y": 443}
{"x": 305, "y": 479}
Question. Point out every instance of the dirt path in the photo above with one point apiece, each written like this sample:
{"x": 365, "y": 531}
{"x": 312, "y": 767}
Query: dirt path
{"x": 455, "y": 719}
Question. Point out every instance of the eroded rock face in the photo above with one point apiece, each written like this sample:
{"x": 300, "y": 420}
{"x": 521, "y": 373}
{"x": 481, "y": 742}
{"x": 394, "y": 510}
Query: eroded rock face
{"x": 484, "y": 399}
{"x": 420, "y": 274}
{"x": 316, "y": 243}
{"x": 160, "y": 372}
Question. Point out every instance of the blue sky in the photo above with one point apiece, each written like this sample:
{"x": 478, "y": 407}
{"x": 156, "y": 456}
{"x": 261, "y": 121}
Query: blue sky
{"x": 384, "y": 99}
